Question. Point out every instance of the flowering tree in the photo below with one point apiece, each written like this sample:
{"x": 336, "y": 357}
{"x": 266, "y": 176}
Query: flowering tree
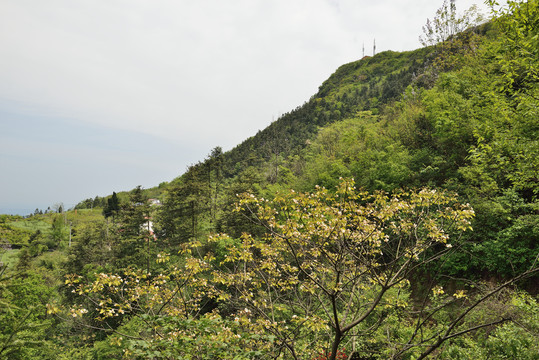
{"x": 331, "y": 271}
{"x": 332, "y": 264}
{"x": 166, "y": 315}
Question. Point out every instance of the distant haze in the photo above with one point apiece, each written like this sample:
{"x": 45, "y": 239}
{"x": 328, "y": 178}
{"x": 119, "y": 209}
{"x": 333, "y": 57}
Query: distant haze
{"x": 102, "y": 96}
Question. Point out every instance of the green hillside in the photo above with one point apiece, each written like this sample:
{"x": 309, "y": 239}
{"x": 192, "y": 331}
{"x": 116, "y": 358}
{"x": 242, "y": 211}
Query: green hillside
{"x": 366, "y": 84}
{"x": 393, "y": 215}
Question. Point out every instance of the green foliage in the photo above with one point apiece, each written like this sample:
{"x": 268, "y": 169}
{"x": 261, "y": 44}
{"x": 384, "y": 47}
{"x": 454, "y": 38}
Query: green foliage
{"x": 516, "y": 340}
{"x": 519, "y": 23}
{"x": 313, "y": 272}
{"x": 33, "y": 224}
{"x": 22, "y": 311}
{"x": 233, "y": 222}
{"x": 184, "y": 205}
{"x": 133, "y": 243}
{"x": 96, "y": 202}
{"x": 112, "y": 207}
{"x": 510, "y": 252}
{"x": 91, "y": 248}
{"x": 59, "y": 232}
{"x": 8, "y": 258}
{"x": 505, "y": 154}
{"x": 329, "y": 260}
{"x": 357, "y": 147}
{"x": 331, "y": 271}
{"x": 206, "y": 338}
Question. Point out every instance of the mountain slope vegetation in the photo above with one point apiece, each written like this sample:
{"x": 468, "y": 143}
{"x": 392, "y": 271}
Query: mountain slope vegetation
{"x": 394, "y": 215}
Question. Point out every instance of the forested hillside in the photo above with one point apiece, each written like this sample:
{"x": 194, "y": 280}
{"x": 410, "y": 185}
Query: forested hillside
{"x": 393, "y": 215}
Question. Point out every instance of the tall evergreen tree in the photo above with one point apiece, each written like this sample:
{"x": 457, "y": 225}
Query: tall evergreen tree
{"x": 132, "y": 248}
{"x": 112, "y": 206}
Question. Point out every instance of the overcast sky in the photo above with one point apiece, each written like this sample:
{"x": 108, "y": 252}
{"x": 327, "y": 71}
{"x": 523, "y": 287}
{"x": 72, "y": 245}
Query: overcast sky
{"x": 102, "y": 96}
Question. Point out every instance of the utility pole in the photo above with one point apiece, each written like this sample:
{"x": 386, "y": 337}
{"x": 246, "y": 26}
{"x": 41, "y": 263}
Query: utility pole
{"x": 363, "y": 51}
{"x": 374, "y": 47}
